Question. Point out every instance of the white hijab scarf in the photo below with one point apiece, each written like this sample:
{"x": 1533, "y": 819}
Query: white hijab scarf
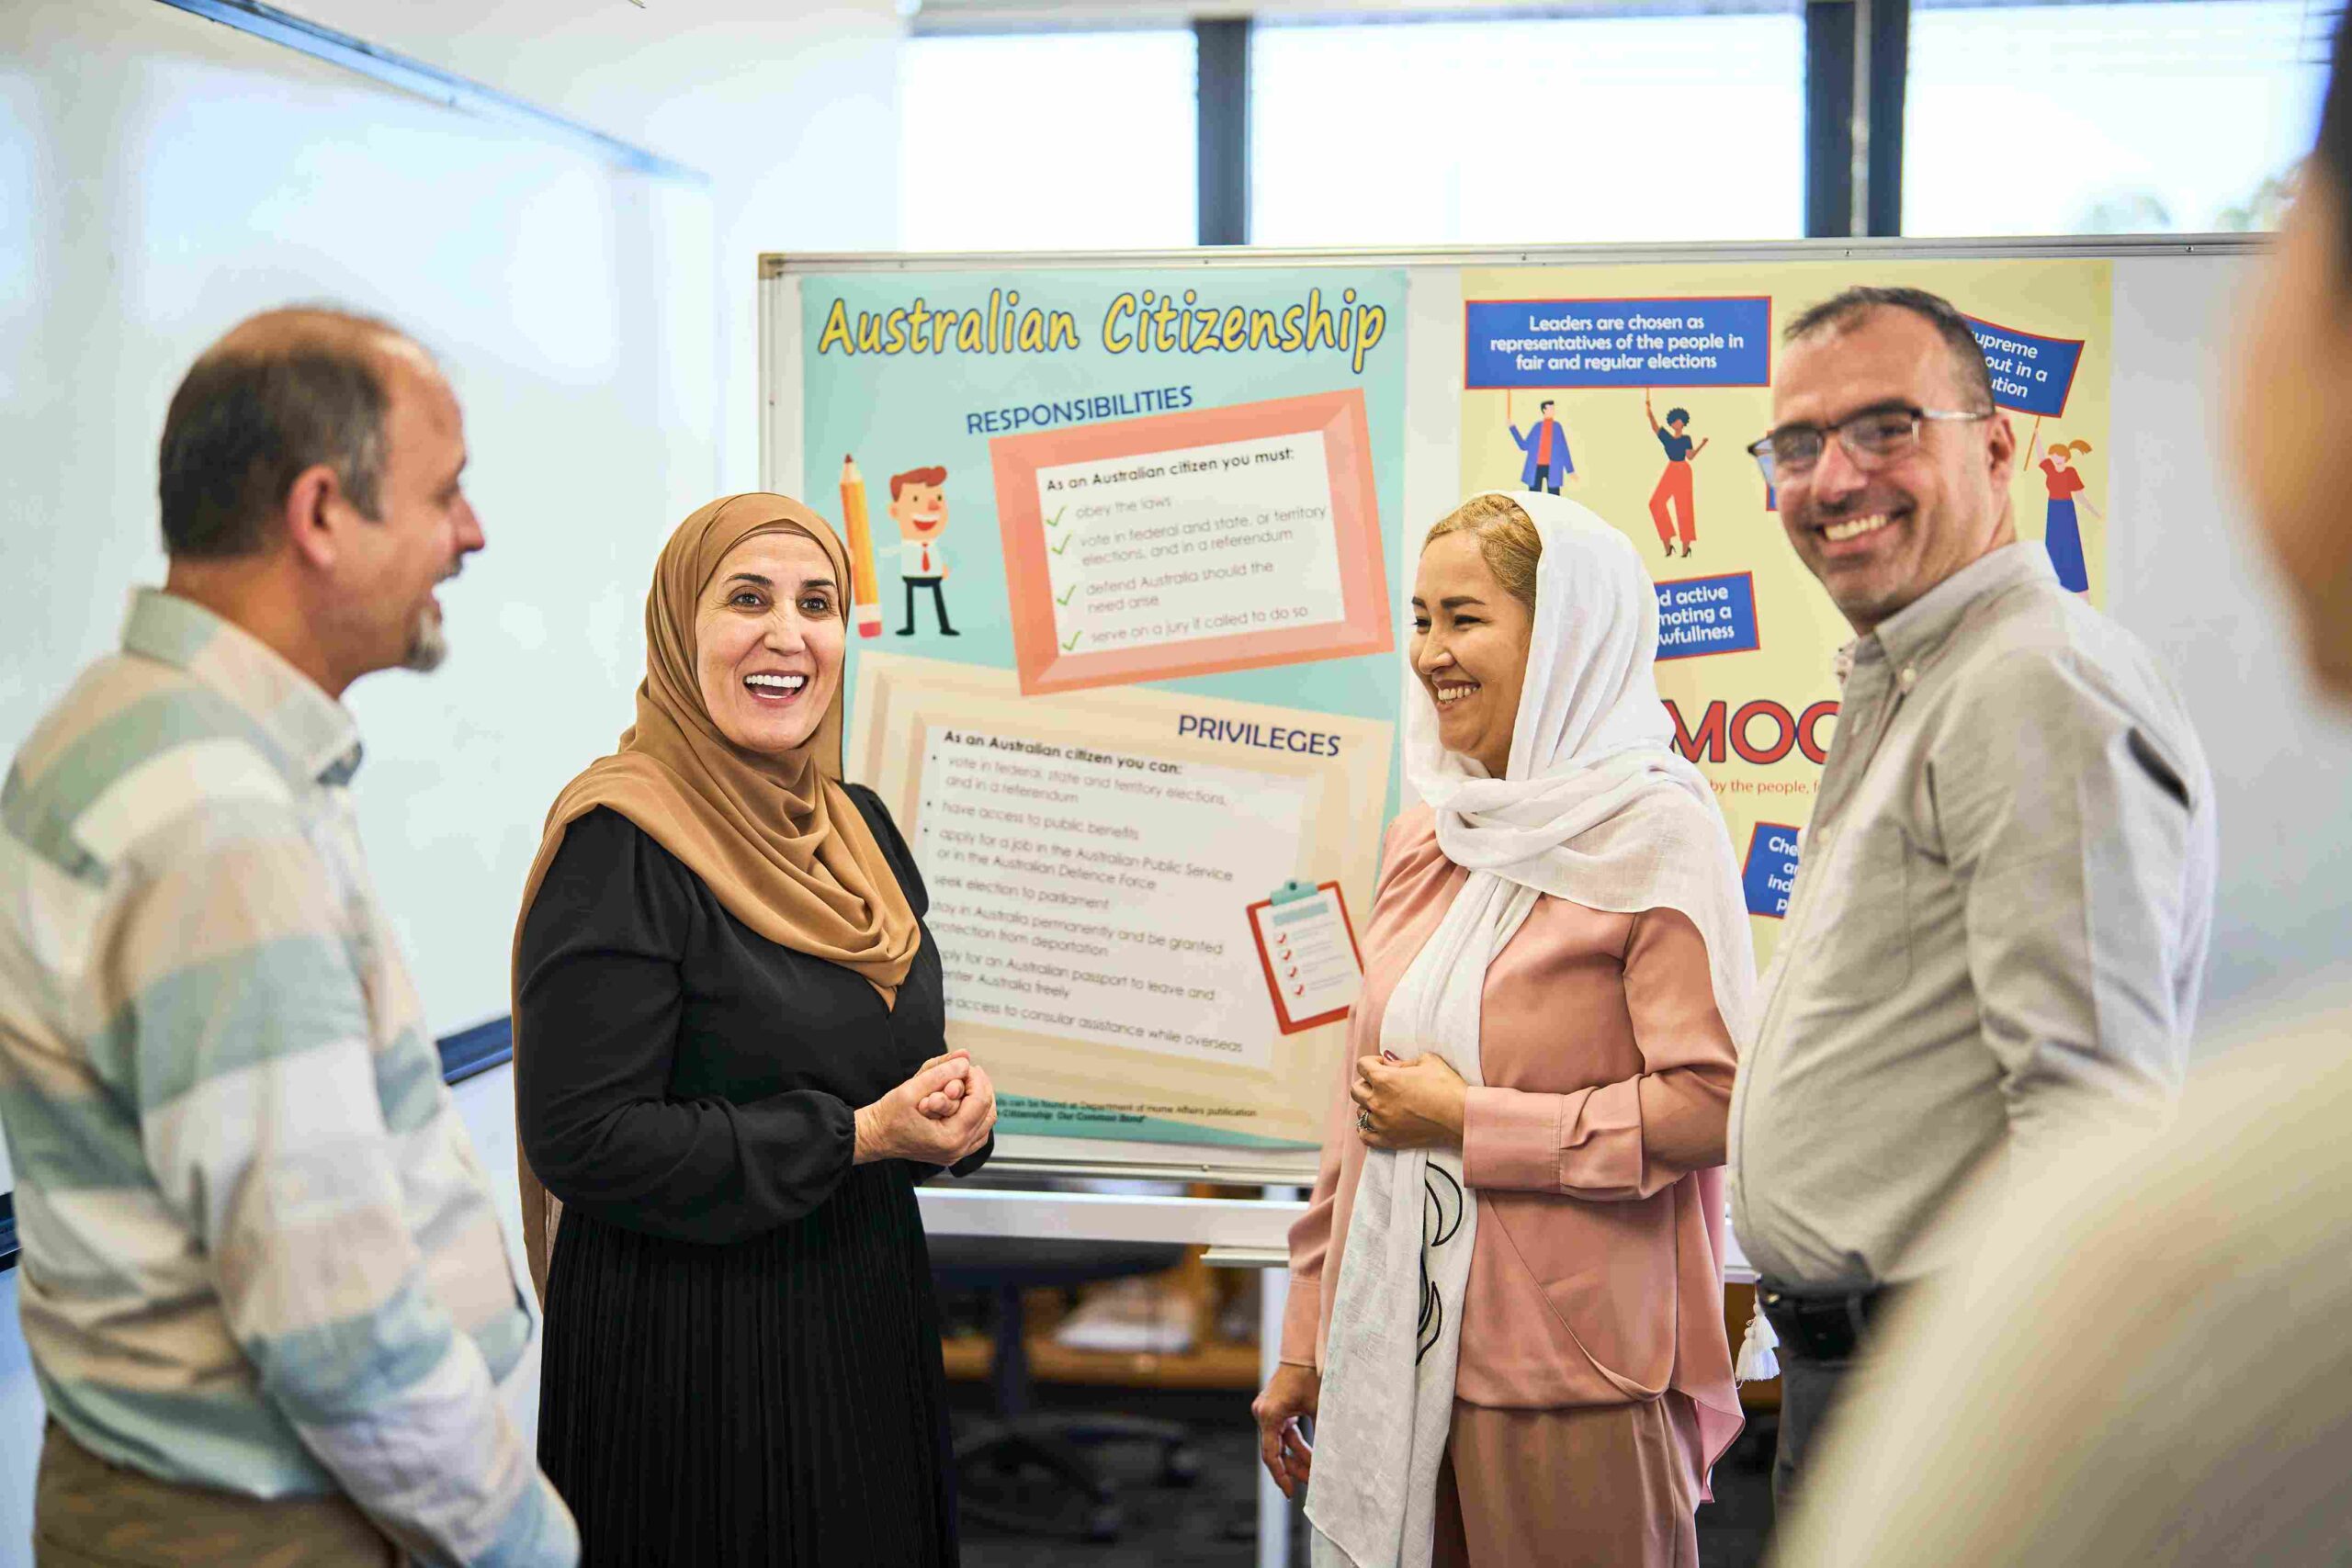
{"x": 1597, "y": 807}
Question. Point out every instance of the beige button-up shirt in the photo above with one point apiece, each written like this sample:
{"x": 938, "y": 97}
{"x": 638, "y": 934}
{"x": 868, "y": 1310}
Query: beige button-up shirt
{"x": 1998, "y": 932}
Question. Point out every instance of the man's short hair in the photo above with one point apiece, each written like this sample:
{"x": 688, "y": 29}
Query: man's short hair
{"x": 1542, "y": 406}
{"x": 279, "y": 394}
{"x": 1845, "y": 309}
{"x": 935, "y": 478}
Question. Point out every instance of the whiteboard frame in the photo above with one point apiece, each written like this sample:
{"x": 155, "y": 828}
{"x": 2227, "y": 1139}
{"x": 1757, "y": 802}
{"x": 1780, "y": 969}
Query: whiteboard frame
{"x": 781, "y": 362}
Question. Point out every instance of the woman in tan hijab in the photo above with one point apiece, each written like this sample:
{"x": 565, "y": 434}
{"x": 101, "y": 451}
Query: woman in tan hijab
{"x": 729, "y": 1076}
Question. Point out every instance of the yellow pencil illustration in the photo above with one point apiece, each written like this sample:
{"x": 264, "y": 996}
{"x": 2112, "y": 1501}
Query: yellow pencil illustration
{"x": 865, "y": 590}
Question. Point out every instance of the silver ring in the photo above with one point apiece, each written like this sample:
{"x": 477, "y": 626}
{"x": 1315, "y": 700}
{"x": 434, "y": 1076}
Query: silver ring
{"x": 1363, "y": 1121}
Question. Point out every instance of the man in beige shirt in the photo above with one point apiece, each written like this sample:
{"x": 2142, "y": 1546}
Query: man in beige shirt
{"x": 1997, "y": 934}
{"x": 2029, "y": 1413}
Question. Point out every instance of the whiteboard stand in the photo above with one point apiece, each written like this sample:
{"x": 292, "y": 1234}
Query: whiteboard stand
{"x": 1273, "y": 1508}
{"x": 1240, "y": 1233}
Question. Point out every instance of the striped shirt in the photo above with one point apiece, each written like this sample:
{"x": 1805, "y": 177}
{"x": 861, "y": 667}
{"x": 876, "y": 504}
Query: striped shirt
{"x": 259, "y": 1254}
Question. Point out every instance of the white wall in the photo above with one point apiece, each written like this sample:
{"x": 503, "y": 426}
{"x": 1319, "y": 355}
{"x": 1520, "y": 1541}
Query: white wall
{"x": 486, "y": 1104}
{"x": 161, "y": 176}
{"x": 166, "y": 175}
{"x": 2199, "y": 592}
{"x": 791, "y": 108}
{"x": 21, "y": 1415}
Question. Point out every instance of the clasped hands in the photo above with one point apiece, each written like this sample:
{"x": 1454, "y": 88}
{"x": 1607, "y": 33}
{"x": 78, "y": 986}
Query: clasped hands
{"x": 1408, "y": 1105}
{"x": 944, "y": 1113}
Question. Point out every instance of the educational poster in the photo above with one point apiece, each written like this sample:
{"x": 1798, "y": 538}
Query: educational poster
{"x": 1123, "y": 663}
{"x": 1095, "y": 864}
{"x": 1636, "y": 390}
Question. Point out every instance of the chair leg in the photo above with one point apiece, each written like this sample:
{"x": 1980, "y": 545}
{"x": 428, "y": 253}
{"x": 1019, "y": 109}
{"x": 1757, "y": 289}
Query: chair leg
{"x": 1009, "y": 1365}
{"x": 1019, "y": 1437}
{"x": 1012, "y": 1446}
{"x": 1180, "y": 1461}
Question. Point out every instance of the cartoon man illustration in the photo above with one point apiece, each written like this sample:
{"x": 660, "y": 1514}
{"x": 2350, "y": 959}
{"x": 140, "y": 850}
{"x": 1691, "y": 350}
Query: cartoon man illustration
{"x": 1546, "y": 445}
{"x": 1674, "y": 485}
{"x": 918, "y": 506}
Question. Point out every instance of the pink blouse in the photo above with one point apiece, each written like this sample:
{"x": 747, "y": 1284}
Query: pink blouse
{"x": 1596, "y": 1277}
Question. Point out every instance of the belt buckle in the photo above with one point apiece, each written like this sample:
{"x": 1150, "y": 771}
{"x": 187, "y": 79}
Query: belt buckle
{"x": 1831, "y": 1330}
{"x": 1826, "y": 1329}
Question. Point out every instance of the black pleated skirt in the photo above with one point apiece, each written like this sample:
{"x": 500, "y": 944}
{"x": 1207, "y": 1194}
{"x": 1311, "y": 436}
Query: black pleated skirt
{"x": 779, "y": 1401}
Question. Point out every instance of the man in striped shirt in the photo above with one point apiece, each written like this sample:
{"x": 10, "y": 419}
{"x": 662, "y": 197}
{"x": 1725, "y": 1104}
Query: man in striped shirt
{"x": 264, "y": 1289}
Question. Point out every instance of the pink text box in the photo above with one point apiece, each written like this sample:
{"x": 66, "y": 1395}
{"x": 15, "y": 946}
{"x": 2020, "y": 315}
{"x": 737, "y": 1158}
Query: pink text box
{"x": 1364, "y": 625}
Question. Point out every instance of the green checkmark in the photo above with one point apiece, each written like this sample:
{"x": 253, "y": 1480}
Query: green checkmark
{"x": 1066, "y": 593}
{"x": 1056, "y": 520}
{"x": 1073, "y": 643}
{"x": 1065, "y": 543}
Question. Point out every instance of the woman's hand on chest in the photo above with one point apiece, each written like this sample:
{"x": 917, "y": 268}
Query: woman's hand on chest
{"x": 1408, "y": 1105}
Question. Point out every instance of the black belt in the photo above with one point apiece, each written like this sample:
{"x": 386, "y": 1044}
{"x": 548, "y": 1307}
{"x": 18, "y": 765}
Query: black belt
{"x": 1825, "y": 1329}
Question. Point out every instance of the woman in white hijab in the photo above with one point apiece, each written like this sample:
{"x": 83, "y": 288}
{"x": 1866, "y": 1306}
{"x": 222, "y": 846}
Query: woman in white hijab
{"x": 1557, "y": 976}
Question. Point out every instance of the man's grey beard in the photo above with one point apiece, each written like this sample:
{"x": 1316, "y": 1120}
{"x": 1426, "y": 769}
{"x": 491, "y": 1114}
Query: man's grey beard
{"x": 428, "y": 644}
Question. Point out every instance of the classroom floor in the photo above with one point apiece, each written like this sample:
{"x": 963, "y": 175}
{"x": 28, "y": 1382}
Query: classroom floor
{"x": 1213, "y": 1521}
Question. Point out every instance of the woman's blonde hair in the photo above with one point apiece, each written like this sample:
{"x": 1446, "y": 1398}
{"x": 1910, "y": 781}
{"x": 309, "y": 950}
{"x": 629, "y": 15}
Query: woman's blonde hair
{"x": 1507, "y": 538}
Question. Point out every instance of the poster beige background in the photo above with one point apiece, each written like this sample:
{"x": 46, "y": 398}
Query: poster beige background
{"x": 1618, "y": 462}
{"x": 1175, "y": 1071}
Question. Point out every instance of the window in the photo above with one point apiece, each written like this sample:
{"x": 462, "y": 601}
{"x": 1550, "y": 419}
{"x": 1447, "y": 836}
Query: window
{"x": 1614, "y": 127}
{"x": 2147, "y": 117}
{"x": 1047, "y": 140}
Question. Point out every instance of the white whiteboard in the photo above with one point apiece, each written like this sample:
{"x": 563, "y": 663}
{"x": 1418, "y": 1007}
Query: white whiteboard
{"x": 2184, "y": 575}
{"x": 2199, "y": 592}
{"x": 163, "y": 175}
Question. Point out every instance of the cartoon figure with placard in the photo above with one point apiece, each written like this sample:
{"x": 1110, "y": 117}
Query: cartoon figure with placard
{"x": 2062, "y": 535}
{"x": 1546, "y": 445}
{"x": 1674, "y": 489}
{"x": 918, "y": 506}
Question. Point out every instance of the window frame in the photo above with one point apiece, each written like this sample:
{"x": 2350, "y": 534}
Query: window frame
{"x": 1857, "y": 67}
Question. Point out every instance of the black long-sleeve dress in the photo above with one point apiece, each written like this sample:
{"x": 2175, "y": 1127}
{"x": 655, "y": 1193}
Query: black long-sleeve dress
{"x": 742, "y": 1362}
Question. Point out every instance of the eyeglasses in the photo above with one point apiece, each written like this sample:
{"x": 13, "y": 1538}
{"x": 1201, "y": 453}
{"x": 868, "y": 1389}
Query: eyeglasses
{"x": 1872, "y": 438}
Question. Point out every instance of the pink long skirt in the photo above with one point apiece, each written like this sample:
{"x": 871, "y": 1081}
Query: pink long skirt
{"x": 1612, "y": 1486}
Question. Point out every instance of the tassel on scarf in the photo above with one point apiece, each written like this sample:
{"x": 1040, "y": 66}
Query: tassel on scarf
{"x": 1756, "y": 1363}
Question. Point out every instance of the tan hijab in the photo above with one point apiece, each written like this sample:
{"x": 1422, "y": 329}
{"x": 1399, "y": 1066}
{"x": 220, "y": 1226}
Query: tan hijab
{"x": 776, "y": 839}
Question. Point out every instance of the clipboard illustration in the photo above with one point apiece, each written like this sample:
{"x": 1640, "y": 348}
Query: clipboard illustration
{"x": 1307, "y": 946}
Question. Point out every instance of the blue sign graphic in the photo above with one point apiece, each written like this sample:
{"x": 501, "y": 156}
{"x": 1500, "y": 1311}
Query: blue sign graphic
{"x": 1706, "y": 615}
{"x": 1556, "y": 343}
{"x": 1771, "y": 869}
{"x": 2031, "y": 375}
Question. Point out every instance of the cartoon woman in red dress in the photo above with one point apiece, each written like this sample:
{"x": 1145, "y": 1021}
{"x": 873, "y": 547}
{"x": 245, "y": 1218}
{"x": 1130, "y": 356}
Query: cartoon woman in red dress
{"x": 1674, "y": 485}
{"x": 2062, "y": 535}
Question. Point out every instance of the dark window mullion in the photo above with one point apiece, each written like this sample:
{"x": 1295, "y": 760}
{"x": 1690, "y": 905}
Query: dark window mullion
{"x": 1223, "y": 112}
{"x": 1828, "y": 117}
{"x": 1839, "y": 59}
{"x": 1889, "y": 66}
